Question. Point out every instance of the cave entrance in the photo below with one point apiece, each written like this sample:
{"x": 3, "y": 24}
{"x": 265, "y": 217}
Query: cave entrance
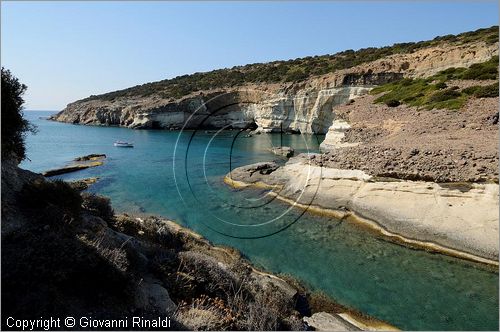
{"x": 156, "y": 125}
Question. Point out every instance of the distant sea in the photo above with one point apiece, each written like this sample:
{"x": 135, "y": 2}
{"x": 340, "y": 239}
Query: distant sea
{"x": 180, "y": 176}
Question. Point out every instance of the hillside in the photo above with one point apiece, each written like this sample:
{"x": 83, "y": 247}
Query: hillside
{"x": 297, "y": 95}
{"x": 291, "y": 70}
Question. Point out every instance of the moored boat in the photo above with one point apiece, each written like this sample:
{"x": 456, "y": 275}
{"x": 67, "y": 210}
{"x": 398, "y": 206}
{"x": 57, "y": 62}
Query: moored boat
{"x": 123, "y": 144}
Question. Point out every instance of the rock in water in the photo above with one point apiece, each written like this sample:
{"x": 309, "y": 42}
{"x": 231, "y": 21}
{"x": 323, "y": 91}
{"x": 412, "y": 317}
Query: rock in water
{"x": 91, "y": 160}
{"x": 83, "y": 184}
{"x": 93, "y": 156}
{"x": 72, "y": 168}
{"x": 284, "y": 151}
{"x": 322, "y": 321}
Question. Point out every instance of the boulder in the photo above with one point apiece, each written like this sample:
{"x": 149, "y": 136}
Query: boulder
{"x": 323, "y": 321}
{"x": 152, "y": 296}
{"x": 284, "y": 151}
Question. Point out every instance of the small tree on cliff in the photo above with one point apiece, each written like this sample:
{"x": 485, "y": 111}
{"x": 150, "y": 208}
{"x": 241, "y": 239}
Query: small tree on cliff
{"x": 14, "y": 126}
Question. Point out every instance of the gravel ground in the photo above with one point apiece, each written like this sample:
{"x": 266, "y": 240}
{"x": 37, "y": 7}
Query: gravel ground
{"x": 407, "y": 143}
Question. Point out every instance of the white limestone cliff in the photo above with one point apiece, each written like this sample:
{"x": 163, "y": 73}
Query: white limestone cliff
{"x": 305, "y": 106}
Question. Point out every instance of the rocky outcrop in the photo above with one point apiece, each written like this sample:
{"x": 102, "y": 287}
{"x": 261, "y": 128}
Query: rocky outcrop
{"x": 84, "y": 162}
{"x": 322, "y": 321}
{"x": 308, "y": 111}
{"x": 13, "y": 180}
{"x": 334, "y": 138}
{"x": 305, "y": 106}
{"x": 284, "y": 151}
{"x": 449, "y": 219}
{"x": 93, "y": 156}
{"x": 71, "y": 168}
{"x": 83, "y": 184}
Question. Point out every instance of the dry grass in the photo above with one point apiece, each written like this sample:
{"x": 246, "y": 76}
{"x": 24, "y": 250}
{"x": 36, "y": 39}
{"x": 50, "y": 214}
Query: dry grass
{"x": 116, "y": 256}
{"x": 206, "y": 313}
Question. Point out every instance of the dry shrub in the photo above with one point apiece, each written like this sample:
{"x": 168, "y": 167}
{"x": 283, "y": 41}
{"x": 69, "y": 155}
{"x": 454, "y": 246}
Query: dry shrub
{"x": 150, "y": 229}
{"x": 208, "y": 276}
{"x": 56, "y": 196}
{"x": 206, "y": 313}
{"x": 243, "y": 302}
{"x": 269, "y": 308}
{"x": 116, "y": 256}
{"x": 98, "y": 206}
{"x": 52, "y": 273}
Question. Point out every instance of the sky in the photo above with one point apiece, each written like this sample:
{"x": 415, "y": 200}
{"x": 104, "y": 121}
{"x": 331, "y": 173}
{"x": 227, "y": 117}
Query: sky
{"x": 65, "y": 51}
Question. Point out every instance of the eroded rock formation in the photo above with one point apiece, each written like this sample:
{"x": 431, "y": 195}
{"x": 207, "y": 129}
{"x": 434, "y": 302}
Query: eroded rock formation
{"x": 305, "y": 106}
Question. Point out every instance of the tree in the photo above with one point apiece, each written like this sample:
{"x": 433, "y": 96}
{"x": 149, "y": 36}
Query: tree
{"x": 14, "y": 126}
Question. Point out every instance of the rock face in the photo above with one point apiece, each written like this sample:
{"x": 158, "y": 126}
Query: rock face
{"x": 322, "y": 321}
{"x": 308, "y": 111}
{"x": 335, "y": 136}
{"x": 284, "y": 151}
{"x": 306, "y": 106}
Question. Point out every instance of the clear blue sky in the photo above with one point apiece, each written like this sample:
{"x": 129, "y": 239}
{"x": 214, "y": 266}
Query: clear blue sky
{"x": 65, "y": 51}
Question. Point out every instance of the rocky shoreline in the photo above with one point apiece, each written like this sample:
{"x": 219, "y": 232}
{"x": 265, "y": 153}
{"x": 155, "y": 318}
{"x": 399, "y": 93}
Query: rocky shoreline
{"x": 140, "y": 265}
{"x": 456, "y": 219}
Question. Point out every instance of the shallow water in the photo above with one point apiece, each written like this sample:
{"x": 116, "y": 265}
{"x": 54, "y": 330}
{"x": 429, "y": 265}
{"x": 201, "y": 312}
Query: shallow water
{"x": 180, "y": 177}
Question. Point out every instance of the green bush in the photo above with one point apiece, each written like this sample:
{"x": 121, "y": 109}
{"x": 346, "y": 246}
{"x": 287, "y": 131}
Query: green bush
{"x": 482, "y": 71}
{"x": 14, "y": 126}
{"x": 52, "y": 273}
{"x": 54, "y": 195}
{"x": 444, "y": 95}
{"x": 99, "y": 206}
{"x": 410, "y": 91}
{"x": 471, "y": 90}
{"x": 406, "y": 82}
{"x": 295, "y": 74}
{"x": 441, "y": 85}
{"x": 392, "y": 103}
{"x": 449, "y": 74}
{"x": 488, "y": 91}
{"x": 433, "y": 92}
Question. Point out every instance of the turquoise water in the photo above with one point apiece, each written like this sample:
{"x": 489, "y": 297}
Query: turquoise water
{"x": 410, "y": 289}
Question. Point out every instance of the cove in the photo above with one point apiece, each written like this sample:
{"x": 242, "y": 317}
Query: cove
{"x": 181, "y": 178}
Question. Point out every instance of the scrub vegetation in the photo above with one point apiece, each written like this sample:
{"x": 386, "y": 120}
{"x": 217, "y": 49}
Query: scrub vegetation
{"x": 14, "y": 126}
{"x": 435, "y": 92}
{"x": 289, "y": 70}
{"x": 74, "y": 256}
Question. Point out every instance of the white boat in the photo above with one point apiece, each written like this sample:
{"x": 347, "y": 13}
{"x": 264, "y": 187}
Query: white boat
{"x": 122, "y": 144}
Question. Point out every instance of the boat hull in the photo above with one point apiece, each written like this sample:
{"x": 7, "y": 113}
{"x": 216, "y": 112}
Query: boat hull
{"x": 123, "y": 145}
